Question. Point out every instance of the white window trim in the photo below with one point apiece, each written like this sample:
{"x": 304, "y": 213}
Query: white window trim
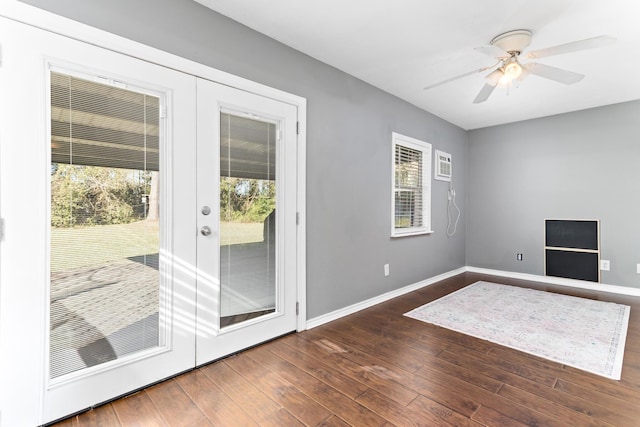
{"x": 426, "y": 149}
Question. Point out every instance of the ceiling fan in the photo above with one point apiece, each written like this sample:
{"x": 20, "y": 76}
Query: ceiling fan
{"x": 507, "y": 48}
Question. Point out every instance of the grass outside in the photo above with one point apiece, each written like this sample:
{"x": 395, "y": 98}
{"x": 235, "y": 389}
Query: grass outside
{"x": 101, "y": 244}
{"x": 234, "y": 233}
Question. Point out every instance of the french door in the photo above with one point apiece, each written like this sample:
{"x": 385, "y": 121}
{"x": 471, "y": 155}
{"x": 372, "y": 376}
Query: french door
{"x": 246, "y": 219}
{"x": 150, "y": 223}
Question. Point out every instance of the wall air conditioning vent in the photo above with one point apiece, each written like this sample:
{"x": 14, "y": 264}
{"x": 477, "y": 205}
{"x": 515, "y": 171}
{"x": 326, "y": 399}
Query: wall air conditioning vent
{"x": 442, "y": 170}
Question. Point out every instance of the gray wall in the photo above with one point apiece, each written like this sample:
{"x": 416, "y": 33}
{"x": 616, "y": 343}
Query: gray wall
{"x": 577, "y": 165}
{"x": 348, "y": 154}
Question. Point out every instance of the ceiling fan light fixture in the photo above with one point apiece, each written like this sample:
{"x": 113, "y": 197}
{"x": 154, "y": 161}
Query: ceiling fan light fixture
{"x": 509, "y": 72}
{"x": 493, "y": 78}
{"x": 505, "y": 82}
{"x": 512, "y": 70}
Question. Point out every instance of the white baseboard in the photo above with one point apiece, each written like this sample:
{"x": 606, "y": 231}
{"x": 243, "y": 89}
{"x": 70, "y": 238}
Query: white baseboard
{"x": 581, "y": 284}
{"x": 337, "y": 314}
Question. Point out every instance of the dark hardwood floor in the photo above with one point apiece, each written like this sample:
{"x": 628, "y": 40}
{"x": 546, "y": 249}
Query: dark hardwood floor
{"x": 379, "y": 368}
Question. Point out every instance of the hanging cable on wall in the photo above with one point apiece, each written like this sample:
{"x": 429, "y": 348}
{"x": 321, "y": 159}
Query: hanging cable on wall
{"x": 452, "y": 225}
{"x": 443, "y": 171}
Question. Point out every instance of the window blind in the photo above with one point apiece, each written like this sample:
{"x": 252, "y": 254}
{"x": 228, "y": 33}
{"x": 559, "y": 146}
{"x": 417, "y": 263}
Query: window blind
{"x": 104, "y": 263}
{"x": 94, "y": 124}
{"x": 408, "y": 187}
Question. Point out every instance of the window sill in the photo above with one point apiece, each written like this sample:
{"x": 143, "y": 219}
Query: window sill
{"x": 411, "y": 233}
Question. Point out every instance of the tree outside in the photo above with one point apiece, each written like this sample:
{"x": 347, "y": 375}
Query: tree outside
{"x": 246, "y": 200}
{"x": 91, "y": 195}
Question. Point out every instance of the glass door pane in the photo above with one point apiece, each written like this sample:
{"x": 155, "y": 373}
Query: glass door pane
{"x": 247, "y": 218}
{"x": 105, "y": 240}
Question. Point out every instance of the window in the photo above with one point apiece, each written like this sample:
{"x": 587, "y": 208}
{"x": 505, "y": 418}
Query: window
{"x": 106, "y": 285}
{"x": 411, "y": 204}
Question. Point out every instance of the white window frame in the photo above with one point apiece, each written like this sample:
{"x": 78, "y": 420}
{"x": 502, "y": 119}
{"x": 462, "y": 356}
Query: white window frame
{"x": 426, "y": 150}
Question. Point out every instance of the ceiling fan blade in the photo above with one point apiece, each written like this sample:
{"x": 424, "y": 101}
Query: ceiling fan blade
{"x": 493, "y": 51}
{"x": 484, "y": 93}
{"x": 552, "y": 73}
{"x": 572, "y": 47}
{"x": 479, "y": 70}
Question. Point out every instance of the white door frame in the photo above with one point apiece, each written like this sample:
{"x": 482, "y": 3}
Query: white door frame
{"x": 22, "y": 405}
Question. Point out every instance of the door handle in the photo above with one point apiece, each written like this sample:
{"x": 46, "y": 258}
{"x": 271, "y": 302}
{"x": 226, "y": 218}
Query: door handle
{"x": 205, "y": 231}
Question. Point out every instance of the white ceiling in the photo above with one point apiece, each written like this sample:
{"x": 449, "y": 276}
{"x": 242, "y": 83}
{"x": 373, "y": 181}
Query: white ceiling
{"x": 404, "y": 45}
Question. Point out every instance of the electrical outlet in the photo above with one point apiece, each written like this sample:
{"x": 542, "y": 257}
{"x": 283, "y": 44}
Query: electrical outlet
{"x": 605, "y": 265}
{"x": 386, "y": 269}
{"x": 519, "y": 257}
{"x": 638, "y": 268}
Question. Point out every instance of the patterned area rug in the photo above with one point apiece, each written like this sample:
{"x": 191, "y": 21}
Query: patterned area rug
{"x": 578, "y": 332}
